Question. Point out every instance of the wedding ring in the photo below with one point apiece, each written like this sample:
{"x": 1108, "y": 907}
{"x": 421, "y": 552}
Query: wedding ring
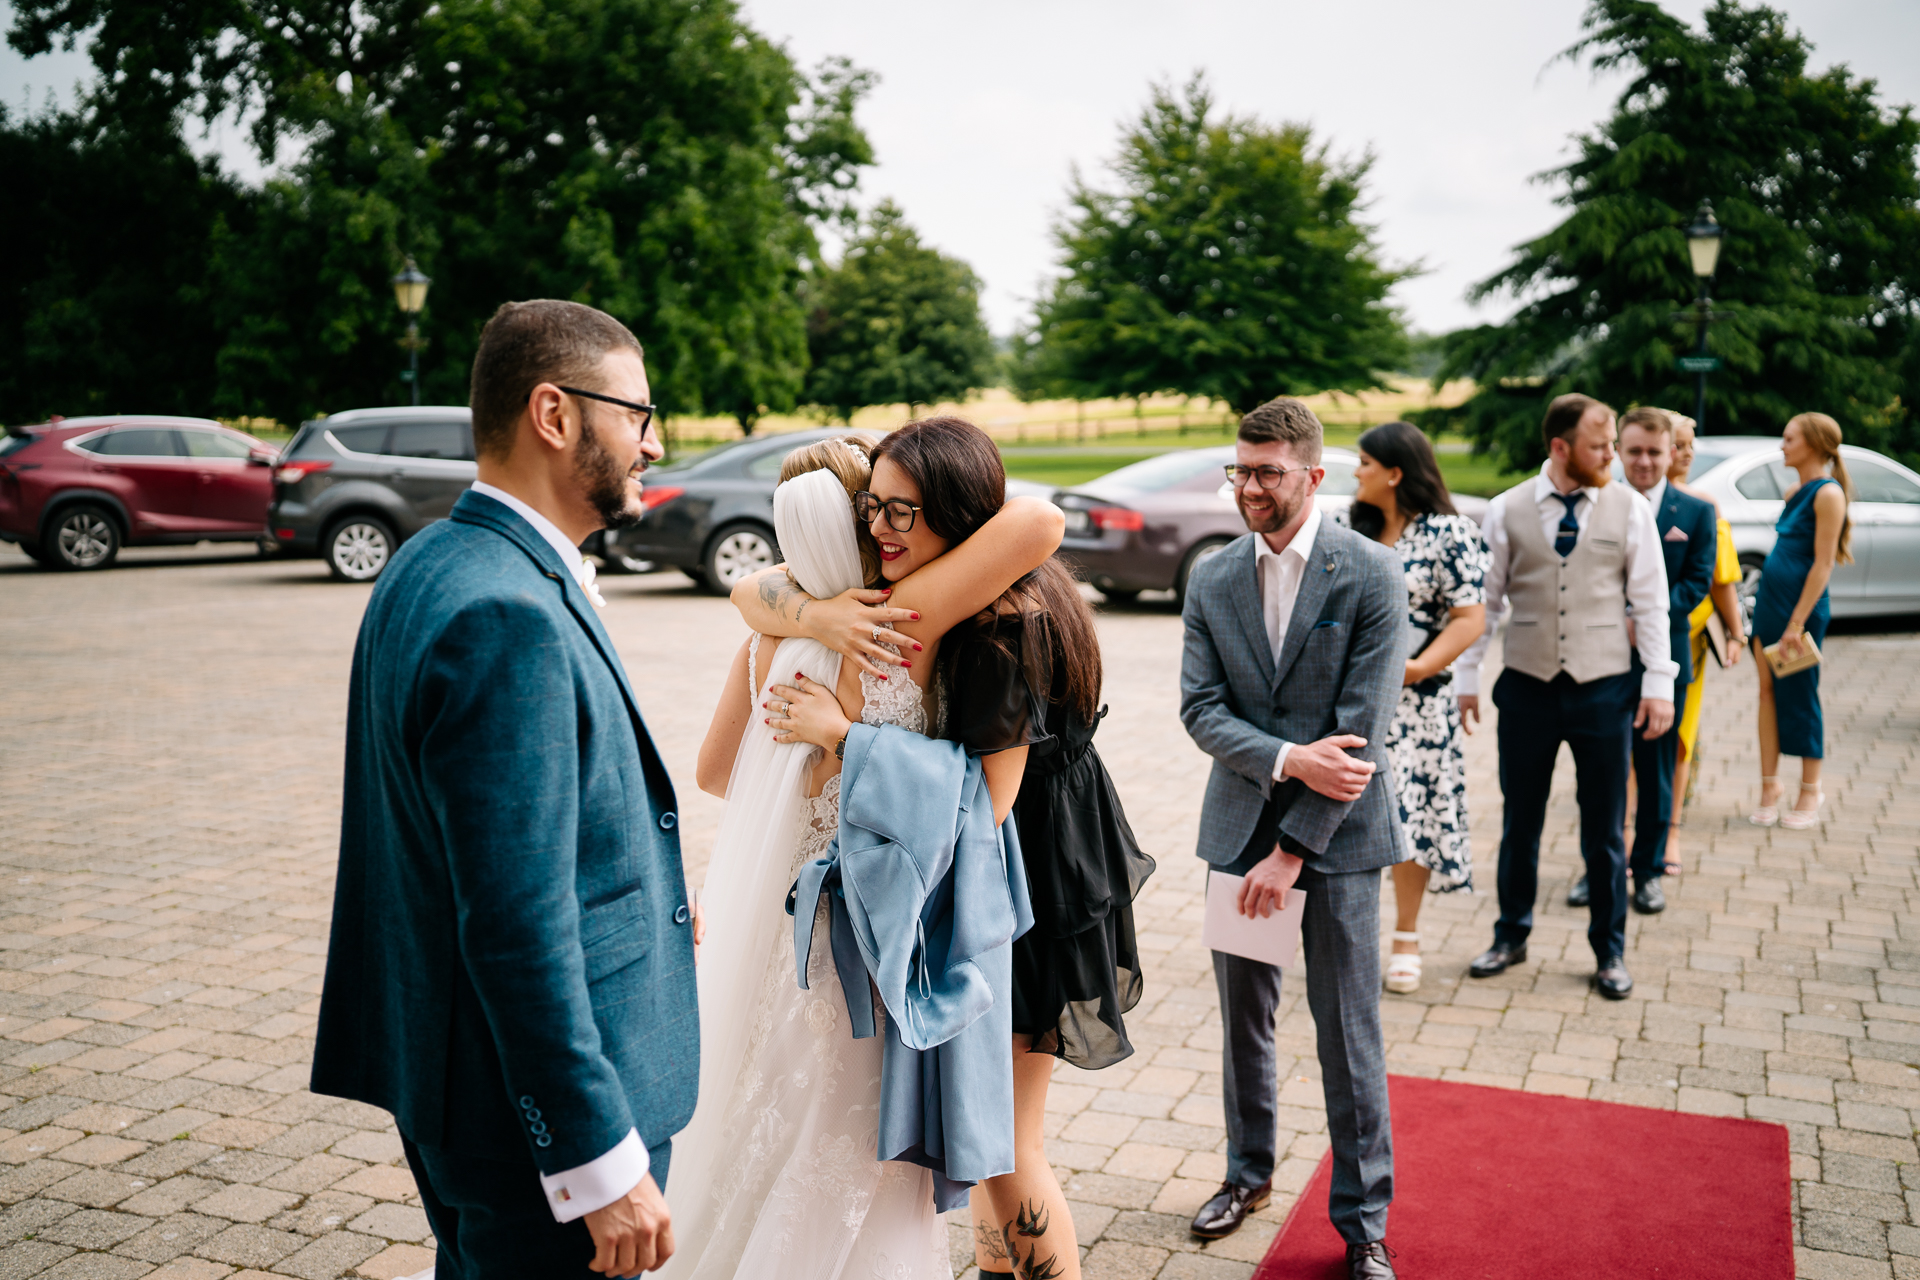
{"x": 876, "y": 635}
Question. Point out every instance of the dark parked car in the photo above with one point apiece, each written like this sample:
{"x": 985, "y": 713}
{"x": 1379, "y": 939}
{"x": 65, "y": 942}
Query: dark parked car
{"x": 1144, "y": 527}
{"x": 354, "y": 486}
{"x": 72, "y": 493}
{"x": 711, "y": 515}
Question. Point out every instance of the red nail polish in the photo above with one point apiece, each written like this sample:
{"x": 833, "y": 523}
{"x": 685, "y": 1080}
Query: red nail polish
{"x": 906, "y": 662}
{"x": 917, "y": 646}
{"x": 916, "y": 617}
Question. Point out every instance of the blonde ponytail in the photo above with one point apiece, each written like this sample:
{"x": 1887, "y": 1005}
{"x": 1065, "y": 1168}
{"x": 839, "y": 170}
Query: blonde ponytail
{"x": 1823, "y": 435}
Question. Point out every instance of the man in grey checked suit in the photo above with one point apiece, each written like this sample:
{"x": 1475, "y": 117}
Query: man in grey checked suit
{"x": 1295, "y": 653}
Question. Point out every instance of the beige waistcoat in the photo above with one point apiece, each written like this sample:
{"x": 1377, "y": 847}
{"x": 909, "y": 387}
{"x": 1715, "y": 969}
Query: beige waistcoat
{"x": 1568, "y": 615}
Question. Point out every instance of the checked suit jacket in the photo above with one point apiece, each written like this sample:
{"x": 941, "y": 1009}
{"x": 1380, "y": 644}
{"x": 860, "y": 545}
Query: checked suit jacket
{"x": 1689, "y": 559}
{"x": 1340, "y": 671}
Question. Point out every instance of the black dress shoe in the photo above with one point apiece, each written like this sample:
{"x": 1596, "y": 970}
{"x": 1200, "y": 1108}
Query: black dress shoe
{"x": 1370, "y": 1261}
{"x": 1222, "y": 1215}
{"x": 1613, "y": 981}
{"x": 1648, "y": 897}
{"x": 1579, "y": 895}
{"x": 1497, "y": 958}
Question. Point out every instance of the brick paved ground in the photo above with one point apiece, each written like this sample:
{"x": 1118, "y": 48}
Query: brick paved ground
{"x": 169, "y": 774}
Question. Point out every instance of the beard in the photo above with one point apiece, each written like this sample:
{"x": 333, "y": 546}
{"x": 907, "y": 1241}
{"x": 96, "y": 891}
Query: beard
{"x": 1587, "y": 479}
{"x": 1278, "y": 517}
{"x": 604, "y": 479}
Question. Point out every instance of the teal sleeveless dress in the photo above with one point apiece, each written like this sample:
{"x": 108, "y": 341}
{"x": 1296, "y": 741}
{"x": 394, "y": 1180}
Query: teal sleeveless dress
{"x": 1796, "y": 698}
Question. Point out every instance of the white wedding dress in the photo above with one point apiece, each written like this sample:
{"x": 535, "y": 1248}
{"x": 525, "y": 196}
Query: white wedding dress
{"x": 777, "y": 1175}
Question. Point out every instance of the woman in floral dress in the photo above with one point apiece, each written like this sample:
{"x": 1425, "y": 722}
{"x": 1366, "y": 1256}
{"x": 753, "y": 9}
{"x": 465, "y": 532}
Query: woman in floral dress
{"x": 1400, "y": 501}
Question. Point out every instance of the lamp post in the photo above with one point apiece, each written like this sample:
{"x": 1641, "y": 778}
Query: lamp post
{"x": 1703, "y": 247}
{"x": 410, "y": 291}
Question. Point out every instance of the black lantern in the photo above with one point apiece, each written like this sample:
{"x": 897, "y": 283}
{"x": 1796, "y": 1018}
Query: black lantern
{"x": 410, "y": 291}
{"x": 1703, "y": 248}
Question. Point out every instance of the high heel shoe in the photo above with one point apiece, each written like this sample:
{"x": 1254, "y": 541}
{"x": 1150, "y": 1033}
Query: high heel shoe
{"x": 1798, "y": 819}
{"x": 1767, "y": 814}
{"x": 1403, "y": 969}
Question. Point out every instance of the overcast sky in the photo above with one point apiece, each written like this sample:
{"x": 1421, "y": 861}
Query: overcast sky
{"x": 984, "y": 108}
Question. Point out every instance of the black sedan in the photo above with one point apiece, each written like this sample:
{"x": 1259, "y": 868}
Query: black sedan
{"x": 711, "y": 515}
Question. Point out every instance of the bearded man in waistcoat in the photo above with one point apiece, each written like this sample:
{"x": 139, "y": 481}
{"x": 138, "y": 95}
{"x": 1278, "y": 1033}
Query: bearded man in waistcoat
{"x": 1570, "y": 554}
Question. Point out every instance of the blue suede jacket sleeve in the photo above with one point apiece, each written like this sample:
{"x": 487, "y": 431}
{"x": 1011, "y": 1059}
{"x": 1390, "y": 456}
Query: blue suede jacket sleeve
{"x": 499, "y": 748}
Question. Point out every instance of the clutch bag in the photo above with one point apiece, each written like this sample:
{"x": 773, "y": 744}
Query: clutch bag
{"x": 1784, "y": 665}
{"x": 1718, "y": 641}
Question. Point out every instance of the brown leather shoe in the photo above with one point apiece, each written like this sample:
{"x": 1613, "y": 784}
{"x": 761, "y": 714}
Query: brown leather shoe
{"x": 1222, "y": 1215}
{"x": 1371, "y": 1261}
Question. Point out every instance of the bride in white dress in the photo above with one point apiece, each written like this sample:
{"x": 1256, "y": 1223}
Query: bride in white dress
{"x": 777, "y": 1175}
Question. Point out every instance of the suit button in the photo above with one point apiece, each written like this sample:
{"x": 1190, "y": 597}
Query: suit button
{"x": 544, "y": 1140}
{"x": 525, "y": 1102}
{"x": 680, "y": 914}
{"x": 537, "y": 1127}
{"x": 668, "y": 821}
{"x": 533, "y": 1113}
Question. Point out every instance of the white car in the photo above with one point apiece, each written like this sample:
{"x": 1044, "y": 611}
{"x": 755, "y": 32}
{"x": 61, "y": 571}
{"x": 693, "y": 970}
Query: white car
{"x": 1746, "y": 477}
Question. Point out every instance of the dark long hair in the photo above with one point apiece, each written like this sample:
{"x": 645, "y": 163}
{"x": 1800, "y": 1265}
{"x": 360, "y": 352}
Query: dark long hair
{"x": 962, "y": 486}
{"x": 1422, "y": 491}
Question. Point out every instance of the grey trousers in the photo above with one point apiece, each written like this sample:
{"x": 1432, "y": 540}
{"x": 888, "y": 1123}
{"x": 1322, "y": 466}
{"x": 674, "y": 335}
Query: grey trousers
{"x": 1340, "y": 942}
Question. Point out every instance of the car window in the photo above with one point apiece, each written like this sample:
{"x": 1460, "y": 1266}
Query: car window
{"x": 1154, "y": 475}
{"x": 1875, "y": 483}
{"x": 1759, "y": 485}
{"x": 1708, "y": 454}
{"x": 767, "y": 465}
{"x": 369, "y": 437}
{"x": 140, "y": 442}
{"x": 14, "y": 444}
{"x": 432, "y": 440}
{"x": 1339, "y": 482}
{"x": 214, "y": 444}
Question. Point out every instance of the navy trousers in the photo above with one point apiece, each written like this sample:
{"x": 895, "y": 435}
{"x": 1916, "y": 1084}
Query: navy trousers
{"x": 1595, "y": 720}
{"x": 1340, "y": 942}
{"x": 491, "y": 1221}
{"x": 1653, "y": 765}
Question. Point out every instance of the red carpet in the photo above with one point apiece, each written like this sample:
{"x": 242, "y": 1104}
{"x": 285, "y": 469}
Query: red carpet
{"x": 1495, "y": 1183}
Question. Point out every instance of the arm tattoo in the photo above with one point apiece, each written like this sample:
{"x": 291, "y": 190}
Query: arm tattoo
{"x": 777, "y": 591}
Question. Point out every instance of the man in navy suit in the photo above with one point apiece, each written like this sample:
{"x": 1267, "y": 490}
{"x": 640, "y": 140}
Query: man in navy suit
{"x": 1687, "y": 536}
{"x": 511, "y": 966}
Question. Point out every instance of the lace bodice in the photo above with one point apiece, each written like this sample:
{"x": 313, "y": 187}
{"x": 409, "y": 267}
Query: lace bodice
{"x": 897, "y": 701}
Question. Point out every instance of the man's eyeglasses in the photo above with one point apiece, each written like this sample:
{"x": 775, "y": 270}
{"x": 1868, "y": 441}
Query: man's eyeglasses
{"x": 900, "y": 513}
{"x": 644, "y": 410}
{"x": 1264, "y": 477}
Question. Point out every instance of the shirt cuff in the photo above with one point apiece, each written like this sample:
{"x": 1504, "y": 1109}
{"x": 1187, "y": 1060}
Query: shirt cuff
{"x": 1280, "y": 762}
{"x": 1656, "y": 686}
{"x": 1466, "y": 682}
{"x": 575, "y": 1193}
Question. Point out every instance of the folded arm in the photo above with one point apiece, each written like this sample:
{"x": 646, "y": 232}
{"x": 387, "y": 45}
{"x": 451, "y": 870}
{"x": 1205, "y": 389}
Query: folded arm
{"x": 1208, "y": 712}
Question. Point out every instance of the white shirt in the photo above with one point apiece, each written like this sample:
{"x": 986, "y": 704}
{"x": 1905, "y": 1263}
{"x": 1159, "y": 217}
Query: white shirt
{"x": 577, "y": 564}
{"x": 1279, "y": 574}
{"x": 1646, "y": 594}
{"x": 577, "y": 1192}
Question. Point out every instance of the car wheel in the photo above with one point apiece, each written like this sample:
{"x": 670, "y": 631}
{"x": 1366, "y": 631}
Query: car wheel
{"x": 735, "y": 552}
{"x": 1200, "y": 551}
{"x": 358, "y": 548}
{"x": 84, "y": 536}
{"x": 34, "y": 552}
{"x": 614, "y": 558}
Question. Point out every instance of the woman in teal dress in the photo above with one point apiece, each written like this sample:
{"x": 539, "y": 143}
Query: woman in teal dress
{"x": 1813, "y": 533}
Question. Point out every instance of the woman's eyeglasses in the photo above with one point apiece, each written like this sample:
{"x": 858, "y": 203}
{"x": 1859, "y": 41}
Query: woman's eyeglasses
{"x": 1266, "y": 477}
{"x": 900, "y": 513}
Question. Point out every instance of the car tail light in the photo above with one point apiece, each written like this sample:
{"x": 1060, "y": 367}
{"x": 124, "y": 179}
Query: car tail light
{"x": 295, "y": 472}
{"x": 656, "y": 497}
{"x": 1117, "y": 518}
{"x": 285, "y": 535}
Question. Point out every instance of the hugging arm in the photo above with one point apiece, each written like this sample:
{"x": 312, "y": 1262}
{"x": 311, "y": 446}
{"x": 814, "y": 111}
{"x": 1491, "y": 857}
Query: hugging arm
{"x": 722, "y": 744}
{"x": 924, "y": 605}
{"x": 1369, "y": 694}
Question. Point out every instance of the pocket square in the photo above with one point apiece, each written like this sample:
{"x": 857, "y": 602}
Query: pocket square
{"x": 1326, "y": 622}
{"x": 1675, "y": 534}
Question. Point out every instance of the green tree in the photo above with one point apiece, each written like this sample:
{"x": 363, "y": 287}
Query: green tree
{"x": 1231, "y": 263}
{"x": 656, "y": 158}
{"x": 894, "y": 323}
{"x": 1814, "y": 182}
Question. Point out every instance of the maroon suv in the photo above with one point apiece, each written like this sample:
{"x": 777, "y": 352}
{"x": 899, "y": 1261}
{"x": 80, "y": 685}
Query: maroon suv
{"x": 74, "y": 491}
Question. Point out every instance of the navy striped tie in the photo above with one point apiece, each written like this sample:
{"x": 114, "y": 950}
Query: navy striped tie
{"x": 1569, "y": 527}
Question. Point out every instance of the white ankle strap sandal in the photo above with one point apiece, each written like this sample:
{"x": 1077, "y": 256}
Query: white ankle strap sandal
{"x": 1403, "y": 971}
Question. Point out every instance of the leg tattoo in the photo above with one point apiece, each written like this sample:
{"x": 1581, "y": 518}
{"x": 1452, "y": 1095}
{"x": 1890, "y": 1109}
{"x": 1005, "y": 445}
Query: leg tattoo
{"x": 991, "y": 1244}
{"x": 1030, "y": 1221}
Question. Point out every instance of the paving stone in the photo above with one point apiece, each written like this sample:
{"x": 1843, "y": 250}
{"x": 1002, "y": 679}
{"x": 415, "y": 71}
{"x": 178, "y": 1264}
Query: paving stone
{"x": 30, "y": 1258}
{"x": 94, "y": 1228}
{"x": 395, "y": 1261}
{"x": 173, "y": 1235}
{"x": 246, "y": 1245}
{"x": 97, "y": 1188}
{"x": 331, "y": 1255}
{"x": 96, "y": 1266}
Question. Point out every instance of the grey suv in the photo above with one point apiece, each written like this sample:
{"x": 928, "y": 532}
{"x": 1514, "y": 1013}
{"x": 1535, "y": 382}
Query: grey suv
{"x": 354, "y": 486}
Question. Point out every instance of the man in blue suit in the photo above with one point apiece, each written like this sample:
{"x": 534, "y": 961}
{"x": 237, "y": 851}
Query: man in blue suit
{"x": 1687, "y": 536}
{"x": 511, "y": 966}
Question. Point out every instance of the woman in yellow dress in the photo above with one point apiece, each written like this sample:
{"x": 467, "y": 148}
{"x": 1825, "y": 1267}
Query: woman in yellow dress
{"x": 1722, "y": 597}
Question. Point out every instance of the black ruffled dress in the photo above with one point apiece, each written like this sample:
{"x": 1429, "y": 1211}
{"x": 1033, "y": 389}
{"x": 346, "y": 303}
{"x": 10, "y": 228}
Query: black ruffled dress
{"x": 1078, "y": 969}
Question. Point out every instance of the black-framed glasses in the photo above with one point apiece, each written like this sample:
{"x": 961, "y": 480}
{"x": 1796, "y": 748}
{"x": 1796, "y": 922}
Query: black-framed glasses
{"x": 900, "y": 513}
{"x": 1267, "y": 477}
{"x": 644, "y": 410}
